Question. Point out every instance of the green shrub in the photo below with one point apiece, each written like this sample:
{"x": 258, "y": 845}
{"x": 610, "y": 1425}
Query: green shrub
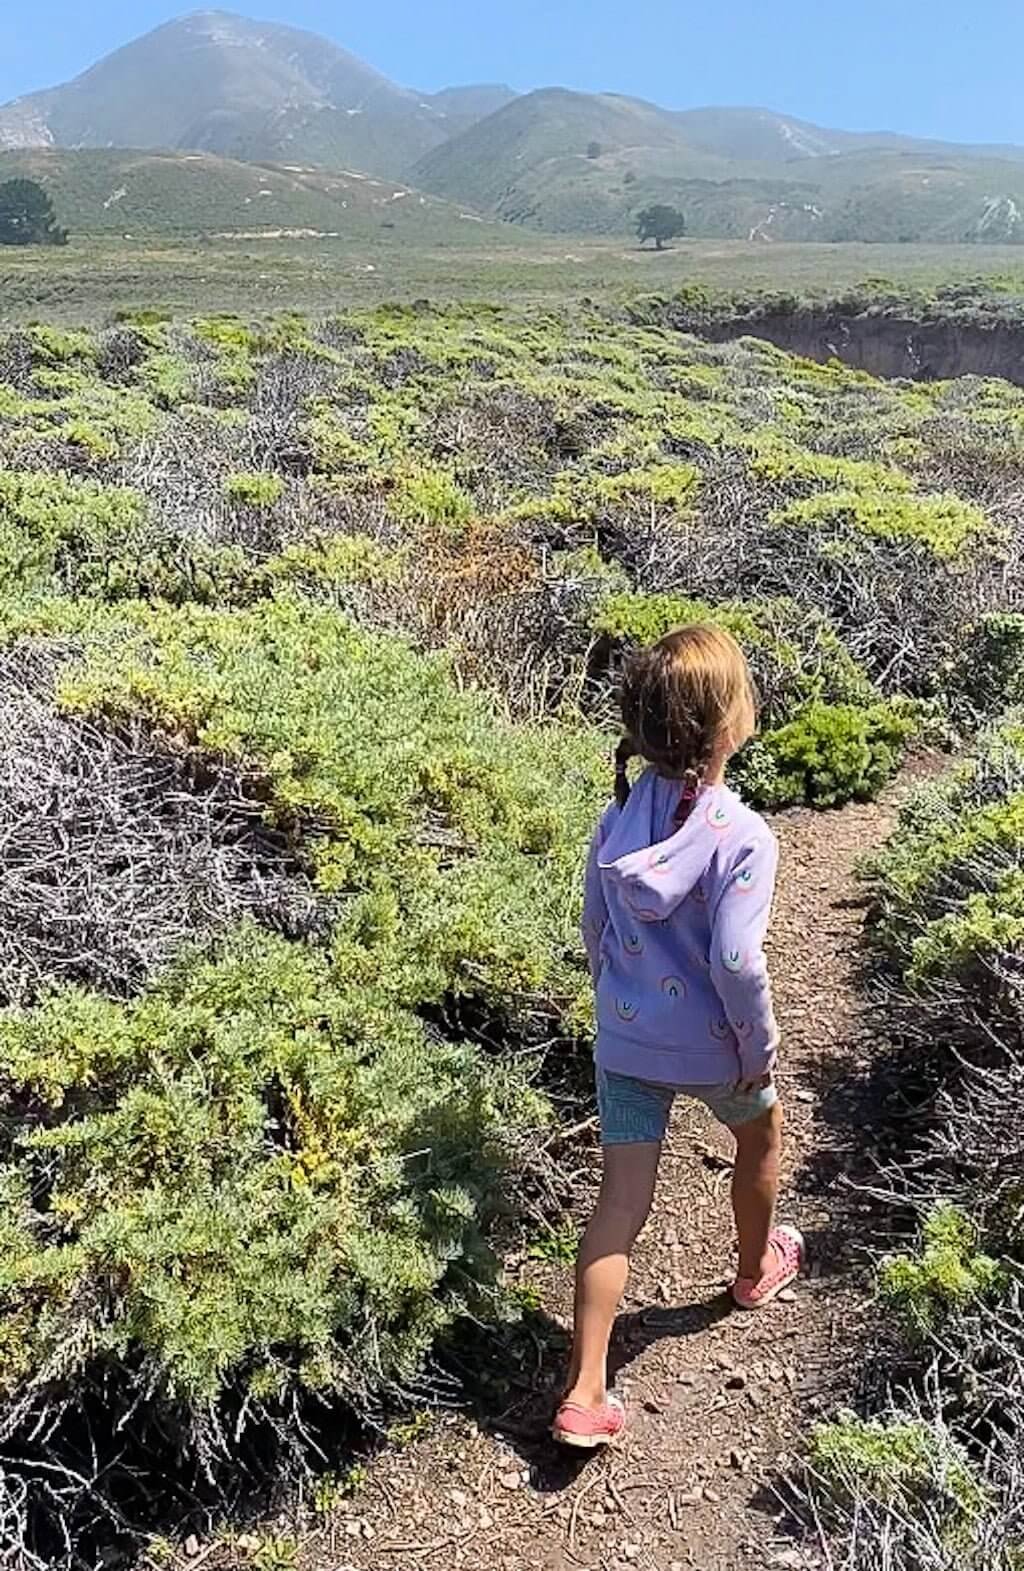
{"x": 946, "y": 858}
{"x": 326, "y": 562}
{"x": 829, "y": 754}
{"x": 431, "y": 496}
{"x": 796, "y": 656}
{"x": 59, "y": 346}
{"x": 143, "y": 316}
{"x": 254, "y": 490}
{"x": 168, "y": 379}
{"x": 263, "y": 1172}
{"x": 50, "y": 522}
{"x": 229, "y": 334}
{"x": 948, "y": 1275}
{"x": 945, "y": 524}
{"x": 787, "y": 467}
{"x": 988, "y": 673}
{"x": 906, "y": 1464}
{"x": 987, "y": 926}
{"x": 580, "y": 497}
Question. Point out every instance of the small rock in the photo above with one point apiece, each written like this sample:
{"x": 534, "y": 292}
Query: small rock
{"x": 248, "y": 1543}
{"x": 631, "y": 1551}
{"x": 711, "y": 1494}
{"x": 736, "y": 1382}
{"x": 776, "y": 1372}
{"x": 354, "y": 1529}
{"x": 738, "y": 1461}
{"x": 670, "y": 1236}
{"x": 690, "y": 1497}
{"x": 804, "y": 1096}
{"x": 525, "y": 1475}
{"x": 486, "y": 1519}
{"x": 686, "y": 1379}
{"x": 369, "y": 1531}
{"x": 191, "y": 1546}
{"x": 458, "y": 1497}
{"x": 511, "y": 1480}
{"x": 787, "y": 1296}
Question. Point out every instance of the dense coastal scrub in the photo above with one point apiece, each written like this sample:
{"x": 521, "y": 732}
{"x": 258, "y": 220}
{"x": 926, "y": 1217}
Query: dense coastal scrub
{"x": 309, "y": 640}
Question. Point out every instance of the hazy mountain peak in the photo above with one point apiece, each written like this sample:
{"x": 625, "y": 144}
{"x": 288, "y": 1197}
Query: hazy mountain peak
{"x": 217, "y": 81}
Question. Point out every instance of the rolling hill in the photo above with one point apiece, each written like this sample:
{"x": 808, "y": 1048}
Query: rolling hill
{"x": 104, "y": 191}
{"x": 565, "y": 161}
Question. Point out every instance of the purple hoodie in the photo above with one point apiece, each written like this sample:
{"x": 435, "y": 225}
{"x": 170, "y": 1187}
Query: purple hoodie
{"x": 674, "y": 921}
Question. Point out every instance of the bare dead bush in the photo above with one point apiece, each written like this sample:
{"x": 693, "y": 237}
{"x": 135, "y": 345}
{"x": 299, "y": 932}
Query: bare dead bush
{"x": 505, "y": 443}
{"x": 119, "y": 352}
{"x": 114, "y": 855}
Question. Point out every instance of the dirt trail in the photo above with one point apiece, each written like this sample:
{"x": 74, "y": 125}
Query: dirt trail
{"x": 716, "y": 1400}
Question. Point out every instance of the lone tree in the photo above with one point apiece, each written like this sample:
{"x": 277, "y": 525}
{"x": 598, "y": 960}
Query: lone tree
{"x": 27, "y": 216}
{"x": 660, "y": 223}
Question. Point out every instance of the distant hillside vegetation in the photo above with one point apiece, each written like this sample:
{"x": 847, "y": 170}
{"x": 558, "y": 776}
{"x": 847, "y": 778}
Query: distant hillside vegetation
{"x": 765, "y": 136}
{"x": 140, "y": 193}
{"x": 570, "y": 161}
{"x": 552, "y": 138}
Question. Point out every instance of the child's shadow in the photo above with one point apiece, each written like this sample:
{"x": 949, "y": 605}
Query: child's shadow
{"x": 526, "y": 1426}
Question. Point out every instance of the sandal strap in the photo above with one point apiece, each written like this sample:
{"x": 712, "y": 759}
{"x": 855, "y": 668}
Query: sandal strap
{"x": 610, "y": 1403}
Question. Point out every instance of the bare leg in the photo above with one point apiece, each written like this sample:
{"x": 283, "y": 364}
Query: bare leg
{"x": 624, "y": 1204}
{"x": 755, "y": 1189}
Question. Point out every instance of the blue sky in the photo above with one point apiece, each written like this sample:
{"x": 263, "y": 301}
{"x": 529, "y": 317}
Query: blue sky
{"x": 932, "y": 67}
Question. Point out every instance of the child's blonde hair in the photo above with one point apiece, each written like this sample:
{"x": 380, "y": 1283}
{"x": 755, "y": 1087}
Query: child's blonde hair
{"x": 684, "y": 700}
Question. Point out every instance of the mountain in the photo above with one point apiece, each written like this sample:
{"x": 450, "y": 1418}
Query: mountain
{"x": 764, "y": 136}
{"x": 221, "y": 83}
{"x": 554, "y": 138}
{"x": 287, "y": 102}
{"x": 462, "y": 107}
{"x": 564, "y": 161}
{"x": 103, "y": 191}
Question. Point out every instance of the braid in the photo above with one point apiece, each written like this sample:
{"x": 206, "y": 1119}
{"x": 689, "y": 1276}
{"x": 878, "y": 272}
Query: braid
{"x": 623, "y": 753}
{"x": 693, "y": 775}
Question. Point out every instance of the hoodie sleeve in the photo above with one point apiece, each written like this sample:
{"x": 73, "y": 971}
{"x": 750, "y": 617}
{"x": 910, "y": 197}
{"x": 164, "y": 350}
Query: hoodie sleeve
{"x": 739, "y": 969}
{"x": 595, "y": 907}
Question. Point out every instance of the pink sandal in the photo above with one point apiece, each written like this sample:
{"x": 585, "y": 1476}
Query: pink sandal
{"x": 789, "y": 1250}
{"x": 589, "y": 1427}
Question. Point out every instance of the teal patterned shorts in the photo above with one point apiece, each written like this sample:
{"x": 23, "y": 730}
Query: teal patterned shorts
{"x": 634, "y": 1112}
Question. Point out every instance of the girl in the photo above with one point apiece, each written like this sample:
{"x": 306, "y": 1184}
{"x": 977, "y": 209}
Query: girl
{"x": 678, "y": 895}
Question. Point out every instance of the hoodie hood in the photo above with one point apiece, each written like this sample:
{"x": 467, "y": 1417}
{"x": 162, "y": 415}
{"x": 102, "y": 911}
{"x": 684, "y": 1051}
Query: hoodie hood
{"x": 653, "y": 865}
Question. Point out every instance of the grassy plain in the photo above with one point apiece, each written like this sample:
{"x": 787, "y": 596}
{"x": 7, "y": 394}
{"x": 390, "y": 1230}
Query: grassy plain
{"x": 94, "y": 277}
